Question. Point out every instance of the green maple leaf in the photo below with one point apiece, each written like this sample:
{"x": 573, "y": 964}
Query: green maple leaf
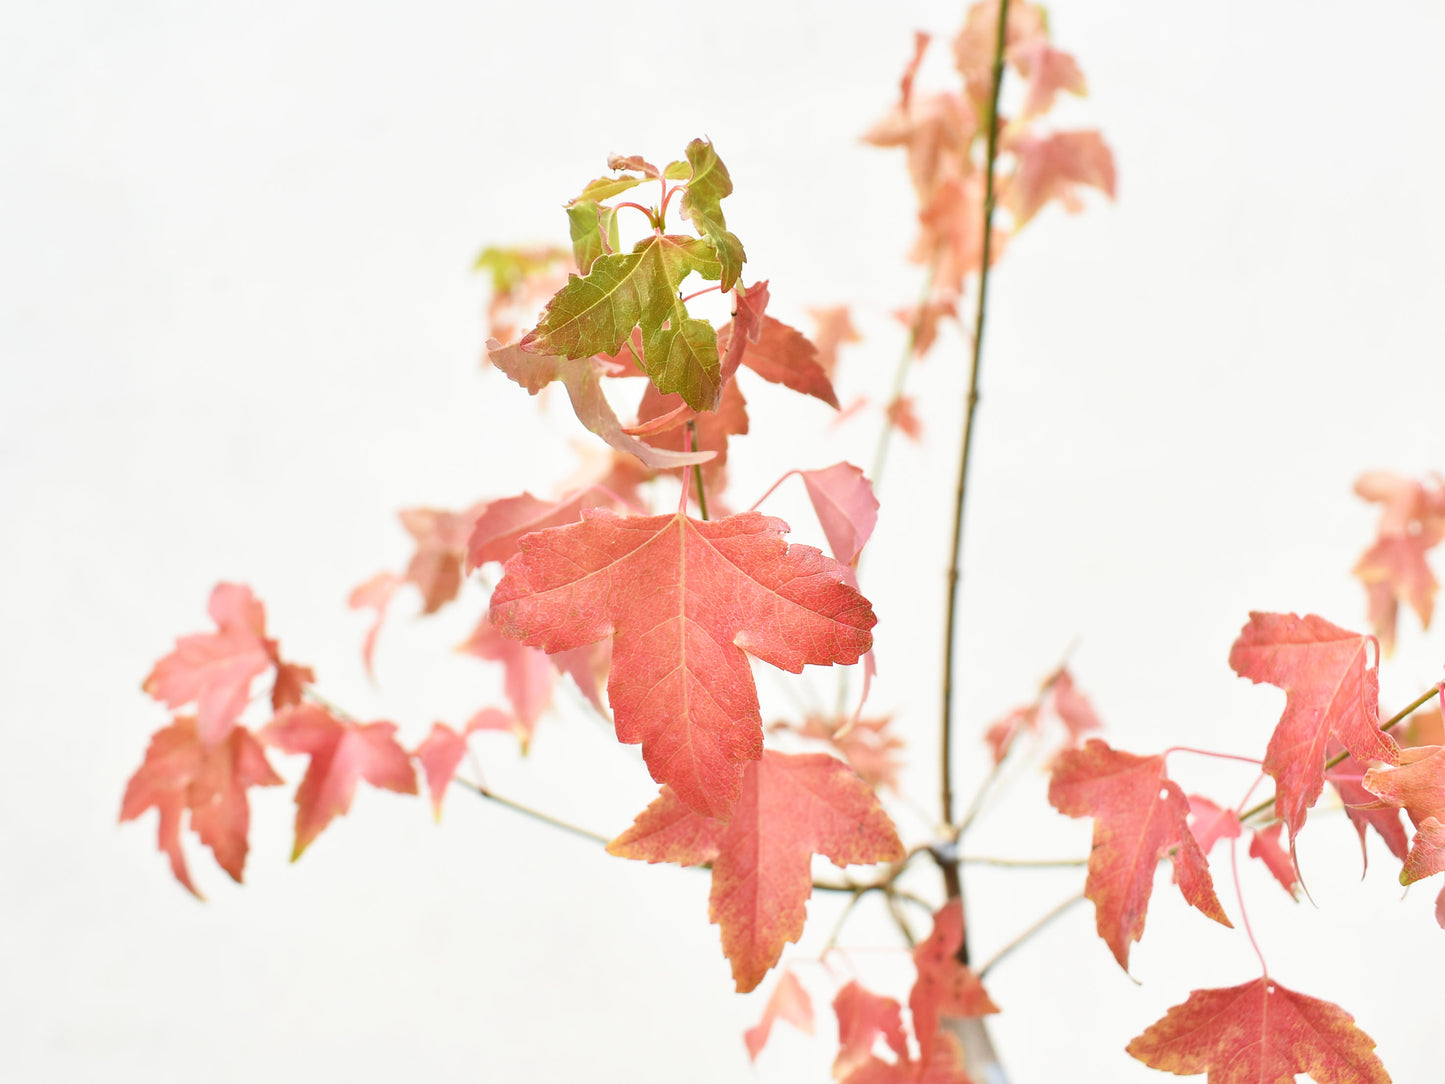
{"x": 607, "y": 187}
{"x": 596, "y": 313}
{"x": 707, "y": 183}
{"x": 594, "y": 231}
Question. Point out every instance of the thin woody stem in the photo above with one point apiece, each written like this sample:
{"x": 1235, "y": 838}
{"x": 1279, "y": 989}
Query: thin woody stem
{"x": 1029, "y": 933}
{"x": 1394, "y": 721}
{"x": 527, "y": 811}
{"x": 900, "y": 375}
{"x": 960, "y": 493}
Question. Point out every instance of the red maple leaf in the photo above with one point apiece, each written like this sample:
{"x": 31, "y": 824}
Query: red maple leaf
{"x": 863, "y": 1017}
{"x": 529, "y": 674}
{"x": 833, "y": 329}
{"x": 1412, "y": 521}
{"x": 180, "y": 773}
{"x": 712, "y": 430}
{"x": 868, "y": 745}
{"x": 215, "y": 669}
{"x": 944, "y": 986}
{"x": 791, "y": 808}
{"x": 342, "y": 753}
{"x": 847, "y": 510}
{"x": 498, "y": 530}
{"x": 1332, "y": 690}
{"x": 788, "y": 1001}
{"x": 685, "y": 601}
{"x": 441, "y": 543}
{"x": 783, "y": 355}
{"x": 376, "y": 595}
{"x": 1362, "y": 807}
{"x": 442, "y": 751}
{"x": 1260, "y": 1033}
{"x": 1210, "y": 824}
{"x": 1139, "y": 814}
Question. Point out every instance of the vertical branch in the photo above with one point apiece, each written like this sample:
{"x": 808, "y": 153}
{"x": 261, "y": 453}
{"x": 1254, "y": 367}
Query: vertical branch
{"x": 950, "y": 871}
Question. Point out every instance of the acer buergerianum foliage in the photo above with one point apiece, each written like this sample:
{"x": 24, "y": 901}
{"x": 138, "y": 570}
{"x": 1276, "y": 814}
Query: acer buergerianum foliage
{"x": 651, "y": 585}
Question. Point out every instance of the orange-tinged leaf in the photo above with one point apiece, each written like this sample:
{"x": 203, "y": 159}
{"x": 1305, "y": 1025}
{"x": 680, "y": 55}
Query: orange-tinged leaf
{"x": 1332, "y": 691}
{"x": 179, "y": 774}
{"x": 1363, "y": 808}
{"x": 342, "y": 753}
{"x": 1048, "y": 71}
{"x": 1416, "y": 785}
{"x": 1139, "y": 814}
{"x": 791, "y": 807}
{"x": 788, "y": 1001}
{"x": 441, "y": 544}
{"x": 685, "y": 601}
{"x": 944, "y": 986}
{"x": 713, "y": 427}
{"x": 1260, "y": 1033}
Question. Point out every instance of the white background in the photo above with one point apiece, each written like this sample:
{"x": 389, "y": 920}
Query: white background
{"x": 237, "y": 331}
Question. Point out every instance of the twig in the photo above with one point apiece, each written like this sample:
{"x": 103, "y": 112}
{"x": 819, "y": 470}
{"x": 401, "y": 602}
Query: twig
{"x": 533, "y": 813}
{"x": 1028, "y": 933}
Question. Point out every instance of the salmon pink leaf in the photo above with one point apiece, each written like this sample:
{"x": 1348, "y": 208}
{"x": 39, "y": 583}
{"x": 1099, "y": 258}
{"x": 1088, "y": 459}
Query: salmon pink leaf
{"x": 496, "y": 533}
{"x": 788, "y": 1001}
{"x": 683, "y": 601}
{"x": 1260, "y": 1033}
{"x": 783, "y": 355}
{"x": 863, "y": 1017}
{"x": 791, "y": 808}
{"x": 181, "y": 774}
{"x": 1332, "y": 692}
{"x": 342, "y": 753}
{"x": 944, "y": 986}
{"x": 1139, "y": 815}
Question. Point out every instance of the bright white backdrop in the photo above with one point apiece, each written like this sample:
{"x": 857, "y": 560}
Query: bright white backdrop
{"x": 238, "y": 331}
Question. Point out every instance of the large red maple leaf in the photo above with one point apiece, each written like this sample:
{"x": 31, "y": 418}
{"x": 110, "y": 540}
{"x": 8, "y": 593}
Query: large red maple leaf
{"x": 342, "y": 753}
{"x": 1139, "y": 814}
{"x": 791, "y": 808}
{"x": 180, "y": 773}
{"x": 1260, "y": 1033}
{"x": 685, "y": 602}
{"x": 1332, "y": 691}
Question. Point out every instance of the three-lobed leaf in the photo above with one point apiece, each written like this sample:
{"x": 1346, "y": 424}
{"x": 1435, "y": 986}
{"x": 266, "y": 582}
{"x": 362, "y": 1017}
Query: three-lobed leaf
{"x": 685, "y": 602}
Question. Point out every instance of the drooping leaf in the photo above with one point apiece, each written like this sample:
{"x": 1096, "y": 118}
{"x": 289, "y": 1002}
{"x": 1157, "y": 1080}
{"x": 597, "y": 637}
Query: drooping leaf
{"x": 944, "y": 986}
{"x": 181, "y": 774}
{"x": 1332, "y": 691}
{"x": 342, "y": 753}
{"x": 441, "y": 544}
{"x": 1260, "y": 1033}
{"x": 441, "y": 752}
{"x": 707, "y": 186}
{"x": 582, "y": 379}
{"x": 788, "y": 1001}
{"x": 529, "y": 674}
{"x": 1265, "y": 846}
{"x": 791, "y": 807}
{"x": 713, "y": 428}
{"x": 834, "y": 328}
{"x": 783, "y": 355}
{"x": 604, "y": 188}
{"x": 1139, "y": 815}
{"x": 595, "y": 314}
{"x": 1362, "y": 807}
{"x": 870, "y": 746}
{"x": 634, "y": 162}
{"x": 215, "y": 669}
{"x": 593, "y": 229}
{"x": 683, "y": 601}
{"x": 1210, "y": 824}
{"x": 375, "y": 595}
{"x": 1412, "y": 522}
{"x": 1048, "y": 71}
{"x": 847, "y": 510}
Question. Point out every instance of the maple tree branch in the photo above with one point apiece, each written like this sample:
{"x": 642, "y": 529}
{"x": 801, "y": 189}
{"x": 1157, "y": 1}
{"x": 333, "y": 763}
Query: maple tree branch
{"x": 1025, "y": 863}
{"x": 1394, "y": 721}
{"x": 530, "y": 812}
{"x": 1029, "y": 933}
{"x": 961, "y": 490}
